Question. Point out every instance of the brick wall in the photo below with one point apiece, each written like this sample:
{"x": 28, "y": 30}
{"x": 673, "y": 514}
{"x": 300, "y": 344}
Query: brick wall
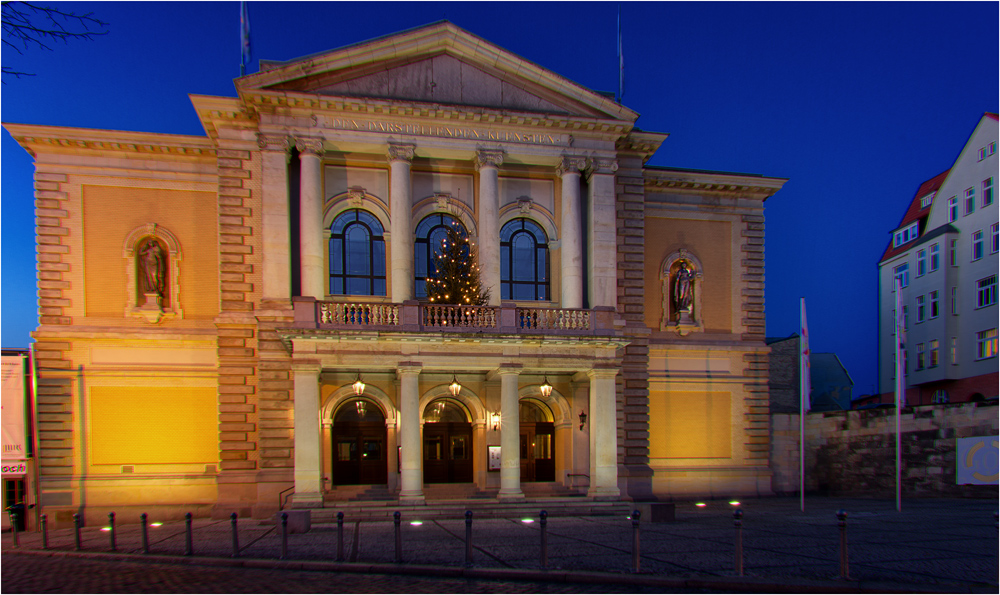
{"x": 852, "y": 453}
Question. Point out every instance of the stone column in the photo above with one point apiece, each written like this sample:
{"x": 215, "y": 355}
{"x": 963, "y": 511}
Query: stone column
{"x": 602, "y": 247}
{"x": 603, "y": 422}
{"x": 400, "y": 225}
{"x": 311, "y": 217}
{"x": 510, "y": 435}
{"x": 308, "y": 475}
{"x": 277, "y": 250}
{"x": 571, "y": 235}
{"x": 488, "y": 163}
{"x": 411, "y": 476}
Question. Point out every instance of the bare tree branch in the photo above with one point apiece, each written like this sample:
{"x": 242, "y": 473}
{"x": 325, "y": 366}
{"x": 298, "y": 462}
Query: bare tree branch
{"x": 27, "y": 25}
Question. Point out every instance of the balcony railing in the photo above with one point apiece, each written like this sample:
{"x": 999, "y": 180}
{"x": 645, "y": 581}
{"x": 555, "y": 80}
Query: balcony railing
{"x": 416, "y": 317}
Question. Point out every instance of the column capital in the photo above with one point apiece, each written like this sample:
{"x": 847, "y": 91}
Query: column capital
{"x": 571, "y": 164}
{"x": 400, "y": 152}
{"x": 504, "y": 370}
{"x": 489, "y": 158}
{"x": 601, "y": 165}
{"x": 310, "y": 146}
{"x": 602, "y": 372}
{"x": 408, "y": 368}
{"x": 274, "y": 142}
{"x": 307, "y": 366}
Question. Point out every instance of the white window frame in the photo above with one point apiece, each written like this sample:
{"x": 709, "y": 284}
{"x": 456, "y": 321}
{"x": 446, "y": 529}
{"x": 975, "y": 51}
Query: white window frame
{"x": 954, "y": 300}
{"x": 920, "y": 356}
{"x": 986, "y": 291}
{"x": 927, "y": 200}
{"x": 935, "y": 257}
{"x": 921, "y": 263}
{"x": 978, "y": 245}
{"x": 933, "y": 358}
{"x": 952, "y": 209}
{"x": 954, "y": 351}
{"x": 906, "y": 234}
{"x": 970, "y": 201}
{"x": 987, "y": 199}
{"x": 953, "y": 252}
{"x": 994, "y": 238}
{"x": 934, "y": 305}
{"x": 902, "y": 272}
{"x": 986, "y": 344}
{"x": 921, "y": 309}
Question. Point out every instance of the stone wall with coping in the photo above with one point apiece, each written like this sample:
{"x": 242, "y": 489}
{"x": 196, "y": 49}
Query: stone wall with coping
{"x": 852, "y": 453}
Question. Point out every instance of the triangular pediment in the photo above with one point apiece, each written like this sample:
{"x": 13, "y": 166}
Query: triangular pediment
{"x": 438, "y": 63}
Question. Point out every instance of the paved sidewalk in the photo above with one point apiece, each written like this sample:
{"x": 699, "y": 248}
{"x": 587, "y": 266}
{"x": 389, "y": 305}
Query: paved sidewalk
{"x": 933, "y": 545}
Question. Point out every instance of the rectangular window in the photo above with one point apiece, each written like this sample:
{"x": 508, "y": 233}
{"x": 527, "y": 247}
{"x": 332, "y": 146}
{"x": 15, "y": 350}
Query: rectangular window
{"x": 986, "y": 291}
{"x": 987, "y": 192}
{"x": 934, "y": 304}
{"x": 954, "y": 351}
{"x": 994, "y": 238}
{"x": 920, "y": 356}
{"x": 952, "y": 209}
{"x": 920, "y": 309}
{"x": 986, "y": 344}
{"x": 906, "y": 318}
{"x": 935, "y": 257}
{"x": 921, "y": 263}
{"x": 933, "y": 354}
{"x": 902, "y": 272}
{"x": 977, "y": 245}
{"x": 970, "y": 200}
{"x": 987, "y": 151}
{"x": 907, "y": 234}
{"x": 953, "y": 253}
{"x": 926, "y": 201}
{"x": 954, "y": 301}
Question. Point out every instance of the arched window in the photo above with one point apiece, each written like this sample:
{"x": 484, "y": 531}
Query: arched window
{"x": 357, "y": 254}
{"x": 524, "y": 261}
{"x": 430, "y": 231}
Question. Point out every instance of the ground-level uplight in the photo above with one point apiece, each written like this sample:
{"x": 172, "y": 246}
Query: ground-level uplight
{"x": 700, "y": 504}
{"x": 416, "y": 523}
{"x": 105, "y": 528}
{"x": 527, "y": 520}
{"x": 156, "y": 524}
{"x": 734, "y": 502}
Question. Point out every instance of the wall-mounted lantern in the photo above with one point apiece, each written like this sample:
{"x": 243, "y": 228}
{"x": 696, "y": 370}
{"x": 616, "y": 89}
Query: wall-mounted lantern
{"x": 545, "y": 388}
{"x": 495, "y": 420}
{"x": 583, "y": 419}
{"x": 358, "y": 386}
{"x": 454, "y": 388}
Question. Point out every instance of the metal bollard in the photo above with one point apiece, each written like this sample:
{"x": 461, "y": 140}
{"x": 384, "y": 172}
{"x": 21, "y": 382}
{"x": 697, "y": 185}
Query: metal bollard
{"x": 738, "y": 521}
{"x": 145, "y": 532}
{"x": 842, "y": 523}
{"x": 188, "y": 538}
{"x": 45, "y": 532}
{"x": 635, "y": 540}
{"x": 340, "y": 537}
{"x": 13, "y": 527}
{"x": 396, "y": 518}
{"x": 284, "y": 535}
{"x": 468, "y": 538}
{"x": 111, "y": 521}
{"x": 236, "y": 535}
{"x": 543, "y": 520}
{"x": 76, "y": 523}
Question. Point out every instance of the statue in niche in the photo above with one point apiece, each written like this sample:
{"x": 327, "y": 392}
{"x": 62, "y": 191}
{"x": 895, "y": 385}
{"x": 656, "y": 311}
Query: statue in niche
{"x": 683, "y": 291}
{"x": 152, "y": 268}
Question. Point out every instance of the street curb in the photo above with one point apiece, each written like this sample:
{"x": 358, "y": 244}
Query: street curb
{"x": 739, "y": 584}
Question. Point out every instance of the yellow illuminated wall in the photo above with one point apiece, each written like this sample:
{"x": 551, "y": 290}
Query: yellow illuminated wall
{"x": 690, "y": 425}
{"x": 153, "y": 425}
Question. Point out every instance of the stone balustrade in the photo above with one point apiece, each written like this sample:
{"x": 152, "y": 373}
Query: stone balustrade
{"x": 413, "y": 316}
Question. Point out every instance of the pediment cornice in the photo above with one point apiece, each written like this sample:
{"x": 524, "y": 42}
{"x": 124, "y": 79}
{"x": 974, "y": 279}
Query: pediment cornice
{"x": 64, "y": 139}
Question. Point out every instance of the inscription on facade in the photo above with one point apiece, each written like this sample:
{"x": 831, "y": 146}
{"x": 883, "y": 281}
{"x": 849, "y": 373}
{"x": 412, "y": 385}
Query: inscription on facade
{"x": 449, "y": 132}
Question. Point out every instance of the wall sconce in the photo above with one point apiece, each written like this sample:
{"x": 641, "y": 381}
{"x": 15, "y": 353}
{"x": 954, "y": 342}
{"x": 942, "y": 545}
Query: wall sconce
{"x": 495, "y": 420}
{"x": 545, "y": 388}
{"x": 583, "y": 419}
{"x": 358, "y": 386}
{"x": 454, "y": 388}
{"x": 362, "y": 407}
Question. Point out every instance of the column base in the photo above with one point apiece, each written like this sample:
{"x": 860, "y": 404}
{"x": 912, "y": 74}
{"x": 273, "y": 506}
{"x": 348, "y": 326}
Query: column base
{"x": 307, "y": 500}
{"x": 411, "y": 497}
{"x": 599, "y": 493}
{"x": 510, "y": 496}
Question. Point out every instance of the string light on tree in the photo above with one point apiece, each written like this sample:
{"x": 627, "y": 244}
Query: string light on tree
{"x": 457, "y": 280}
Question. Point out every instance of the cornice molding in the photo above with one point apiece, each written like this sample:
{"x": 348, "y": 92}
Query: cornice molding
{"x": 60, "y": 139}
{"x": 712, "y": 182}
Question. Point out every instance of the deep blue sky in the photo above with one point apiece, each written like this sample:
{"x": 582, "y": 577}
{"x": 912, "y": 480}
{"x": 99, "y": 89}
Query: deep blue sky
{"x": 855, "y": 103}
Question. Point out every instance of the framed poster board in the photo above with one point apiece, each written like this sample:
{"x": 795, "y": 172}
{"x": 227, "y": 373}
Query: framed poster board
{"x": 492, "y": 458}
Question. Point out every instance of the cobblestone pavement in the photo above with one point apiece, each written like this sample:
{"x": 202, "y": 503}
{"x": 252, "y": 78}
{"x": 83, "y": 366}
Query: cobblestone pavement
{"x": 934, "y": 544}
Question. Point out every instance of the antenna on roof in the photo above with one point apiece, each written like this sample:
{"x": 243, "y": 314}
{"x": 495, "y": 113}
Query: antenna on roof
{"x": 621, "y": 58}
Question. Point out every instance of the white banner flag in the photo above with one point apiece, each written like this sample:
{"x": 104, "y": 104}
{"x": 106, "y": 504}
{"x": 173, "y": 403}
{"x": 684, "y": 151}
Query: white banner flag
{"x": 14, "y": 445}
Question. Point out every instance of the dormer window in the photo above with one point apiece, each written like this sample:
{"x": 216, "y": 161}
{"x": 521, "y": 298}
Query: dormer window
{"x": 926, "y": 201}
{"x": 907, "y": 234}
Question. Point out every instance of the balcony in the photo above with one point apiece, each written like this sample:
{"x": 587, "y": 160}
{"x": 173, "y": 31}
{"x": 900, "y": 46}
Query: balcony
{"x": 416, "y": 317}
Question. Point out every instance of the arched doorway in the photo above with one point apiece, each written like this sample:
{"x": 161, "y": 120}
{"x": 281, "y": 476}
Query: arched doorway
{"x": 538, "y": 461}
{"x": 359, "y": 443}
{"x": 447, "y": 442}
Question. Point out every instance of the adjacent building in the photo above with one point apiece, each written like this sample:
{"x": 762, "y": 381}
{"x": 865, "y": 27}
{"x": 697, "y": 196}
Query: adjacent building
{"x": 234, "y": 321}
{"x": 944, "y": 252}
{"x": 830, "y": 385}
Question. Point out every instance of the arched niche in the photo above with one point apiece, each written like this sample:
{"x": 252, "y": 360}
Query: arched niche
{"x": 355, "y": 198}
{"x": 689, "y": 319}
{"x": 163, "y": 302}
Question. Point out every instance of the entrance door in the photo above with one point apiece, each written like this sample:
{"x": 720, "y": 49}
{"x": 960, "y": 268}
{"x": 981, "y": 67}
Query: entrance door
{"x": 537, "y": 442}
{"x": 359, "y": 441}
{"x": 447, "y": 443}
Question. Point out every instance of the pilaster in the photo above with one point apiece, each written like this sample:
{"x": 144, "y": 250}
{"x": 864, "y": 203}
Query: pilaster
{"x": 488, "y": 162}
{"x": 311, "y": 217}
{"x": 400, "y": 226}
{"x": 571, "y": 234}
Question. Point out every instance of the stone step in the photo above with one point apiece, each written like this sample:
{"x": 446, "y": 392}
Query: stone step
{"x": 555, "y": 507}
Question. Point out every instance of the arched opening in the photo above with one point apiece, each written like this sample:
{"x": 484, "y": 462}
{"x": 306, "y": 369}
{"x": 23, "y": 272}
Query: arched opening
{"x": 538, "y": 462}
{"x": 447, "y": 442}
{"x": 359, "y": 443}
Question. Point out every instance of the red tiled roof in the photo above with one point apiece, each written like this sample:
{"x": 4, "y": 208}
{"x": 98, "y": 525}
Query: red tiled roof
{"x": 990, "y": 115}
{"x": 915, "y": 213}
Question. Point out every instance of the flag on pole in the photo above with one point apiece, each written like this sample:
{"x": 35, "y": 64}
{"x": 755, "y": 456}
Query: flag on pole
{"x": 900, "y": 347}
{"x": 621, "y": 58}
{"x": 804, "y": 365}
{"x": 244, "y": 37}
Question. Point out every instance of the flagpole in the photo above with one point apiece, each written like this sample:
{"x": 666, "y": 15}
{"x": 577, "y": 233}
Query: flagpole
{"x": 803, "y": 395}
{"x": 900, "y": 386}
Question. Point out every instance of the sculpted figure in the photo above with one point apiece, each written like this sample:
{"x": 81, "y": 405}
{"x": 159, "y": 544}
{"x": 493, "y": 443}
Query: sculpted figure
{"x": 152, "y": 268}
{"x": 683, "y": 288}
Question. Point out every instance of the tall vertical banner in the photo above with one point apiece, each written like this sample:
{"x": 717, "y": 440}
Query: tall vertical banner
{"x": 900, "y": 386}
{"x": 805, "y": 399}
{"x": 15, "y": 451}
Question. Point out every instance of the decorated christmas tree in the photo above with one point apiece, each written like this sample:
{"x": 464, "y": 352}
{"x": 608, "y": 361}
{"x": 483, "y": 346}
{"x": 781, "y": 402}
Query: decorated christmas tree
{"x": 457, "y": 280}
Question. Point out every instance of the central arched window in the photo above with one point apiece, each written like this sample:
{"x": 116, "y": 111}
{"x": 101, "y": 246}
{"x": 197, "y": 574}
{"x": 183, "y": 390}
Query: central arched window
{"x": 430, "y": 231}
{"x": 357, "y": 254}
{"x": 524, "y": 261}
